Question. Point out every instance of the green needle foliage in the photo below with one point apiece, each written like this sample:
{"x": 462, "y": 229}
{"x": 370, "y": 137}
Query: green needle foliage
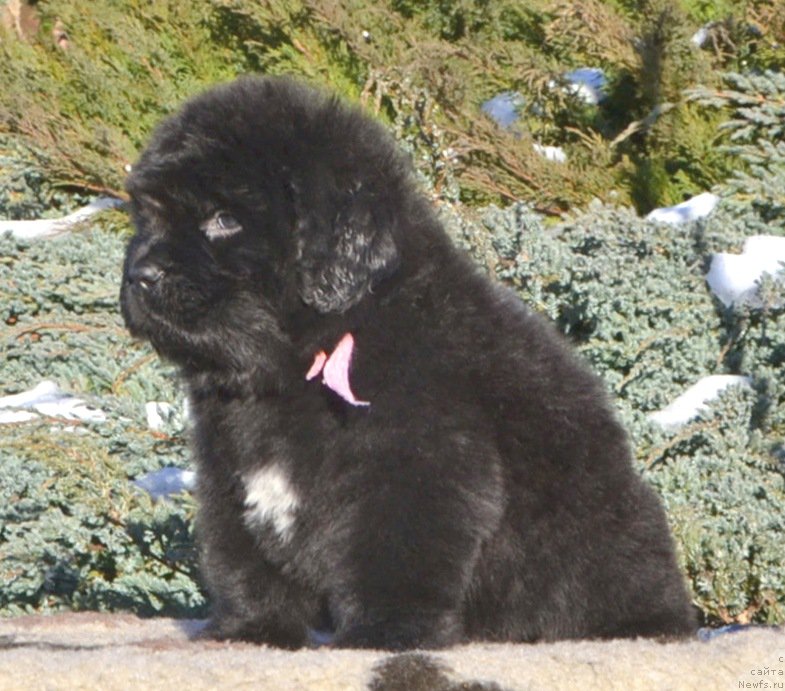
{"x": 630, "y": 294}
{"x": 74, "y": 532}
{"x": 86, "y": 104}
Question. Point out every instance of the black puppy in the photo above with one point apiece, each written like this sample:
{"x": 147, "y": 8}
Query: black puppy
{"x": 388, "y": 444}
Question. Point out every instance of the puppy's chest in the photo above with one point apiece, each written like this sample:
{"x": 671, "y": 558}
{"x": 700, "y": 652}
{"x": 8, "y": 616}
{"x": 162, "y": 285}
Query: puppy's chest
{"x": 273, "y": 465}
{"x": 272, "y": 502}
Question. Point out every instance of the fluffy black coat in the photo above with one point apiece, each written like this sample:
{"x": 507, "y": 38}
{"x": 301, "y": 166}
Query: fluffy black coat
{"x": 487, "y": 490}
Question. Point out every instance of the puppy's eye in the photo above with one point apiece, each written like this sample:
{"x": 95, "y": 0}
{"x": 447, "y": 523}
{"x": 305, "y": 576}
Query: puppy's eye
{"x": 220, "y": 225}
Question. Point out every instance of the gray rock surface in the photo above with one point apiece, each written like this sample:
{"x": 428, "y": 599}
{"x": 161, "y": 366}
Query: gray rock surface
{"x": 107, "y": 652}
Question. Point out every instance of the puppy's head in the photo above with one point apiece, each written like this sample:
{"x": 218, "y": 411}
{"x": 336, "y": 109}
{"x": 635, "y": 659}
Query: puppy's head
{"x": 255, "y": 199}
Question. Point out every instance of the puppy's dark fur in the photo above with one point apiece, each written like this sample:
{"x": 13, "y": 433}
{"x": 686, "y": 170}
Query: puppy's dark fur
{"x": 487, "y": 491}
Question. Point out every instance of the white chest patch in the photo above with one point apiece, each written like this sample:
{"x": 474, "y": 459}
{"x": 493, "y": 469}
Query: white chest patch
{"x": 271, "y": 499}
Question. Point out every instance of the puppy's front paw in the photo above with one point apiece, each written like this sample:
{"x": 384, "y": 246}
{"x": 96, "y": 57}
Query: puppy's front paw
{"x": 273, "y": 631}
{"x": 397, "y": 635}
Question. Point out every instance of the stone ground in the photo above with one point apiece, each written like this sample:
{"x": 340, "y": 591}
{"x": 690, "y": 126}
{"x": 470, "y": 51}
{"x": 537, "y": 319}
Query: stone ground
{"x": 110, "y": 651}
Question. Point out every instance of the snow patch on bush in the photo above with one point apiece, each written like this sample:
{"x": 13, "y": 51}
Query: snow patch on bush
{"x": 46, "y": 227}
{"x": 694, "y": 400}
{"x": 46, "y": 399}
{"x": 166, "y": 481}
{"x": 694, "y": 208}
{"x": 734, "y": 278}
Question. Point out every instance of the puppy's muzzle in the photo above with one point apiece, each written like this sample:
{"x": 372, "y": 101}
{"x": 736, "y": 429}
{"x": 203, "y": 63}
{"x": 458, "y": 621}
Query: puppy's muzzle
{"x": 144, "y": 275}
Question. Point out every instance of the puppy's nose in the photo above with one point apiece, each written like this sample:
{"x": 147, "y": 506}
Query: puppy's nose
{"x": 145, "y": 275}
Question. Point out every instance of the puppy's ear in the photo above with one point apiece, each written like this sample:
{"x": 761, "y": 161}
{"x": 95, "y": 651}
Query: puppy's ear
{"x": 345, "y": 245}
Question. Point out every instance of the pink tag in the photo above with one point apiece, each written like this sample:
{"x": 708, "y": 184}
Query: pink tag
{"x": 318, "y": 363}
{"x": 335, "y": 370}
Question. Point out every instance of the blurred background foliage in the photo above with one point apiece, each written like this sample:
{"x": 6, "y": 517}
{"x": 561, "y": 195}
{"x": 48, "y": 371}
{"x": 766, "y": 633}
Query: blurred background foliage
{"x": 84, "y": 83}
{"x": 86, "y": 86}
